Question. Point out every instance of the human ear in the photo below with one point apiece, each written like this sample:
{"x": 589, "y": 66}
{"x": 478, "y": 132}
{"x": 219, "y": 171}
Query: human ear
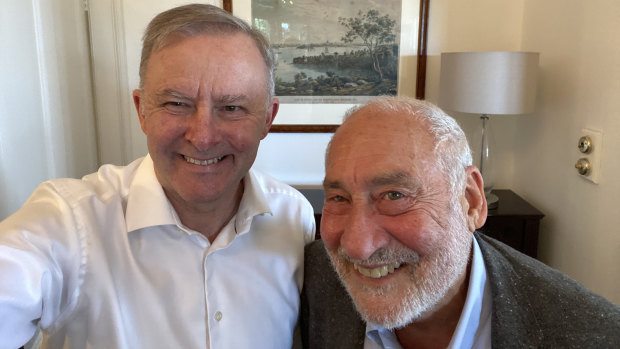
{"x": 137, "y": 99}
{"x": 271, "y": 115}
{"x": 476, "y": 212}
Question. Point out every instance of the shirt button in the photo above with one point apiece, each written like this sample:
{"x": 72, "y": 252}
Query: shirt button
{"x": 218, "y": 315}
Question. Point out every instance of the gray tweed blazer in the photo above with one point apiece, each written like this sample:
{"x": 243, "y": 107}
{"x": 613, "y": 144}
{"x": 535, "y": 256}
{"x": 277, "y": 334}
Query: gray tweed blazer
{"x": 534, "y": 306}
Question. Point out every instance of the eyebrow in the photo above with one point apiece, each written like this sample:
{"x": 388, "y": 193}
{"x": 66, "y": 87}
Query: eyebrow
{"x": 225, "y": 99}
{"x": 231, "y": 98}
{"x": 172, "y": 93}
{"x": 327, "y": 184}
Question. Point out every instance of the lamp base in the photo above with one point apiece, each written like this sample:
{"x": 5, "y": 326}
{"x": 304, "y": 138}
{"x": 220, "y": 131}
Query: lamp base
{"x": 492, "y": 201}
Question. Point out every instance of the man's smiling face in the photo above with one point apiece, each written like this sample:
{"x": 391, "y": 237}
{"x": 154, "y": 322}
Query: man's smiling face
{"x": 395, "y": 234}
{"x": 204, "y": 109}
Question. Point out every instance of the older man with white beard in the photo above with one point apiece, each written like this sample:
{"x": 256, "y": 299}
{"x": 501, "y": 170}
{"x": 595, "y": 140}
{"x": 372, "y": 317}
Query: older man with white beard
{"x": 402, "y": 203}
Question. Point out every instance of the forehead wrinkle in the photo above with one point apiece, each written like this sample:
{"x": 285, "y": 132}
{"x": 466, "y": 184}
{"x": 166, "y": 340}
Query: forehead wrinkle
{"x": 398, "y": 178}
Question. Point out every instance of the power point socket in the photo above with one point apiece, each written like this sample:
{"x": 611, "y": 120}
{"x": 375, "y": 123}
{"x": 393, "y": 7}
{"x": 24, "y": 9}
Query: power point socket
{"x": 594, "y": 155}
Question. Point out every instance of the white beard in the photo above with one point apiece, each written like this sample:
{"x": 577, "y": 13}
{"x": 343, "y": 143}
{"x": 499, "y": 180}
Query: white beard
{"x": 427, "y": 280}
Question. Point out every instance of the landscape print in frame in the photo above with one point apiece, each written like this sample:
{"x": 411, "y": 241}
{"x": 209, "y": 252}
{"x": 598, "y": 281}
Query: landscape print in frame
{"x": 331, "y": 55}
{"x": 332, "y": 51}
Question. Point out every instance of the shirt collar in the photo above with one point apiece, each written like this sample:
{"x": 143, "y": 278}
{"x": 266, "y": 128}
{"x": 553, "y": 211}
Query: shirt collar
{"x": 147, "y": 195}
{"x": 253, "y": 203}
{"x": 477, "y": 308}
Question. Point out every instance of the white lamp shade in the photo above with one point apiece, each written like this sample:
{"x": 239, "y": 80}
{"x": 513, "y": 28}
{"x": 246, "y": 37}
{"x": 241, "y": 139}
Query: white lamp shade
{"x": 488, "y": 82}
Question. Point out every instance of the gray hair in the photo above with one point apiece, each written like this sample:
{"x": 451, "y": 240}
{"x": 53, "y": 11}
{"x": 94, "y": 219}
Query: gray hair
{"x": 196, "y": 19}
{"x": 451, "y": 147}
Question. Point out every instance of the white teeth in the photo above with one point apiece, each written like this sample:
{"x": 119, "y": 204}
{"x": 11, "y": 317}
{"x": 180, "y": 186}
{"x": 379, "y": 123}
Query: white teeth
{"x": 202, "y": 162}
{"x": 377, "y": 272}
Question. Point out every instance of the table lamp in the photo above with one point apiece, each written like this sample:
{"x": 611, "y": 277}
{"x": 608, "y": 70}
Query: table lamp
{"x": 488, "y": 83}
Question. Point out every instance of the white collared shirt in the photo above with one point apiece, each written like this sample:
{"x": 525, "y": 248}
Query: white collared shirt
{"x": 104, "y": 262}
{"x": 474, "y": 327}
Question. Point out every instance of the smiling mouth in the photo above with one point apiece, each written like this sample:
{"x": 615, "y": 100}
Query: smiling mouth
{"x": 377, "y": 272}
{"x": 203, "y": 162}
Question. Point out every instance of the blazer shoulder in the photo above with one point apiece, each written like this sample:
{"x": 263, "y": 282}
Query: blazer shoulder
{"x": 536, "y": 305}
{"x": 328, "y": 318}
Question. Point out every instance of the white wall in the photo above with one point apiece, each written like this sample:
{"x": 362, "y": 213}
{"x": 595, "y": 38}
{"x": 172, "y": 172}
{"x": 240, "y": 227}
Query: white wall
{"x": 46, "y": 118}
{"x": 580, "y": 85}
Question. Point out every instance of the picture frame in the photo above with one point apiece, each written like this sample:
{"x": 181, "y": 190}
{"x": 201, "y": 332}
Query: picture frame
{"x": 242, "y": 8}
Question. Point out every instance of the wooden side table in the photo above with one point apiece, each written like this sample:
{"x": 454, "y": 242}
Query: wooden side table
{"x": 514, "y": 222}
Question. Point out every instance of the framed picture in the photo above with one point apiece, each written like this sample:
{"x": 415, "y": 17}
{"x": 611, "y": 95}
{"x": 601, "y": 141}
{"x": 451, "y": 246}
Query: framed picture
{"x": 331, "y": 55}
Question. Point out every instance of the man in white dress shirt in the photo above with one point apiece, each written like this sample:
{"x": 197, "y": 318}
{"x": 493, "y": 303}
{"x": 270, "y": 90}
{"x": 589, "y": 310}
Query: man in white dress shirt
{"x": 187, "y": 247}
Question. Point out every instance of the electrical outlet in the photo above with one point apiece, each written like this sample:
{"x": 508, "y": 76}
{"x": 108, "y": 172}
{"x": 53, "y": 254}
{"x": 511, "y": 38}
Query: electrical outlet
{"x": 593, "y": 155}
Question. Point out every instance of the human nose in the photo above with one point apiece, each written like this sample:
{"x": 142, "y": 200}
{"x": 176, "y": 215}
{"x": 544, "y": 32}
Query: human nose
{"x": 203, "y": 129}
{"x": 362, "y": 234}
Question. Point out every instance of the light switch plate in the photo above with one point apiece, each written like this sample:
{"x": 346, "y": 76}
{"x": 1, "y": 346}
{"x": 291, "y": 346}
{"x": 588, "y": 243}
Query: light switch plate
{"x": 594, "y": 156}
